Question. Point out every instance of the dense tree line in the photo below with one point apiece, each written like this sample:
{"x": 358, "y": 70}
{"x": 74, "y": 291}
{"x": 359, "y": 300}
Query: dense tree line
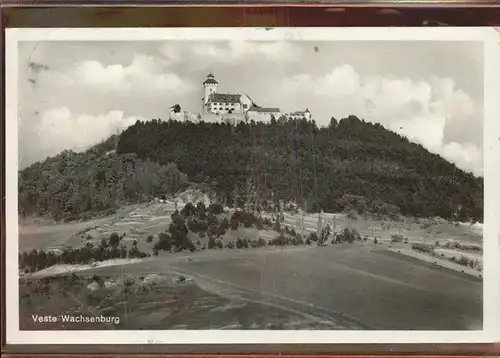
{"x": 108, "y": 249}
{"x": 319, "y": 168}
{"x": 349, "y": 164}
{"x": 95, "y": 181}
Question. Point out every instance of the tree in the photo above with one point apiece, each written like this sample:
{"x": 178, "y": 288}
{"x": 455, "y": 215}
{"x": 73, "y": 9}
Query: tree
{"x": 215, "y": 209}
{"x": 333, "y": 123}
{"x": 114, "y": 239}
{"x": 201, "y": 210}
{"x": 188, "y": 210}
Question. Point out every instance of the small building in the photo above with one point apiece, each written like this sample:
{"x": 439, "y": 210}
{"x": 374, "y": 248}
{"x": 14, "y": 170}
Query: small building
{"x": 299, "y": 115}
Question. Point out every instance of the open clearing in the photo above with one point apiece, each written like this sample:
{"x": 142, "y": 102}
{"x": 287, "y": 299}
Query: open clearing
{"x": 337, "y": 287}
{"x": 346, "y": 286}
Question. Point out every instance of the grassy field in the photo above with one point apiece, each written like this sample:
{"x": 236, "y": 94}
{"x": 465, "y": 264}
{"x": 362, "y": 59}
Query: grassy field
{"x": 149, "y": 302}
{"x": 347, "y": 286}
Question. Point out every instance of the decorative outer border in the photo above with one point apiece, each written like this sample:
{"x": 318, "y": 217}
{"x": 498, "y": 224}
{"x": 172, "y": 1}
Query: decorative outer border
{"x": 250, "y": 14}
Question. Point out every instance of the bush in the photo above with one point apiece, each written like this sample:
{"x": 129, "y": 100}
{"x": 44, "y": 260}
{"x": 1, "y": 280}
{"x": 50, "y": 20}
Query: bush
{"x": 104, "y": 243}
{"x": 114, "y": 239}
{"x": 323, "y": 237}
{"x": 278, "y": 241}
{"x": 134, "y": 253}
{"x": 462, "y": 260}
{"x": 421, "y": 247}
{"x": 175, "y": 214}
{"x": 260, "y": 242}
{"x": 149, "y": 239}
{"x": 234, "y": 223}
{"x": 230, "y": 245}
{"x": 223, "y": 226}
{"x": 398, "y": 238}
{"x": 178, "y": 230}
{"x": 462, "y": 246}
{"x": 123, "y": 252}
{"x": 347, "y": 235}
{"x": 245, "y": 218}
{"x": 165, "y": 242}
{"x": 211, "y": 243}
{"x": 197, "y": 225}
{"x": 188, "y": 210}
{"x": 215, "y": 209}
{"x": 201, "y": 210}
{"x": 313, "y": 237}
{"x": 242, "y": 243}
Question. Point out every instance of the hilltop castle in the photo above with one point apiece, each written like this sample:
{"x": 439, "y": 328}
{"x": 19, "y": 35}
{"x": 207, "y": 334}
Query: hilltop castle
{"x": 236, "y": 107}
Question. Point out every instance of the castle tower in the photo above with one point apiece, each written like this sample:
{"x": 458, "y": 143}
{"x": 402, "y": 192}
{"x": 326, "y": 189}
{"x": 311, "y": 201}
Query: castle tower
{"x": 307, "y": 114}
{"x": 210, "y": 86}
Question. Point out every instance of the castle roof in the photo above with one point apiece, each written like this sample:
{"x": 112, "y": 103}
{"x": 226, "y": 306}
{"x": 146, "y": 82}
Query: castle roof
{"x": 224, "y": 97}
{"x": 299, "y": 113}
{"x": 264, "y": 110}
{"x": 210, "y": 80}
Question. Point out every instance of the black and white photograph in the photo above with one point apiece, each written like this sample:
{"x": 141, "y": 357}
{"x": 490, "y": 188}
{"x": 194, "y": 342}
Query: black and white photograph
{"x": 247, "y": 181}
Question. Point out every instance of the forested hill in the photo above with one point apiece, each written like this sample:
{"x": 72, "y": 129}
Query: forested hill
{"x": 74, "y": 186}
{"x": 349, "y": 164}
{"x": 298, "y": 161}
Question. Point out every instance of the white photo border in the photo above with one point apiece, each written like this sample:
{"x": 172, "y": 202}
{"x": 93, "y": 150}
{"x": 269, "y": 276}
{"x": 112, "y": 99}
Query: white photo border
{"x": 491, "y": 149}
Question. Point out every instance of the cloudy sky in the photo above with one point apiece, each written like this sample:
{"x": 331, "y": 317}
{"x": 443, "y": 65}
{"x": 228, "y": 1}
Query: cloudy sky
{"x": 74, "y": 94}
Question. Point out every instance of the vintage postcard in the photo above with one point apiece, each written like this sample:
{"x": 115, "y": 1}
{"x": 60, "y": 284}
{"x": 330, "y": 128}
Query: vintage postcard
{"x": 251, "y": 185}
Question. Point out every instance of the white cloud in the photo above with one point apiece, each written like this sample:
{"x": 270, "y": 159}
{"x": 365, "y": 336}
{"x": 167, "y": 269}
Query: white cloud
{"x": 145, "y": 74}
{"x": 467, "y": 156}
{"x": 442, "y": 118}
{"x": 59, "y": 129}
{"x": 229, "y": 53}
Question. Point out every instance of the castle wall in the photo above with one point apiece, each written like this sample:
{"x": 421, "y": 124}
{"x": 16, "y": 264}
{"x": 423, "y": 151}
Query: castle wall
{"x": 262, "y": 116}
{"x": 233, "y": 118}
{"x": 246, "y": 102}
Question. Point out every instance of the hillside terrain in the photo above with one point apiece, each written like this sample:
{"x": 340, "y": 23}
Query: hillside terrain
{"x": 278, "y": 226}
{"x": 349, "y": 165}
{"x": 177, "y": 264}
